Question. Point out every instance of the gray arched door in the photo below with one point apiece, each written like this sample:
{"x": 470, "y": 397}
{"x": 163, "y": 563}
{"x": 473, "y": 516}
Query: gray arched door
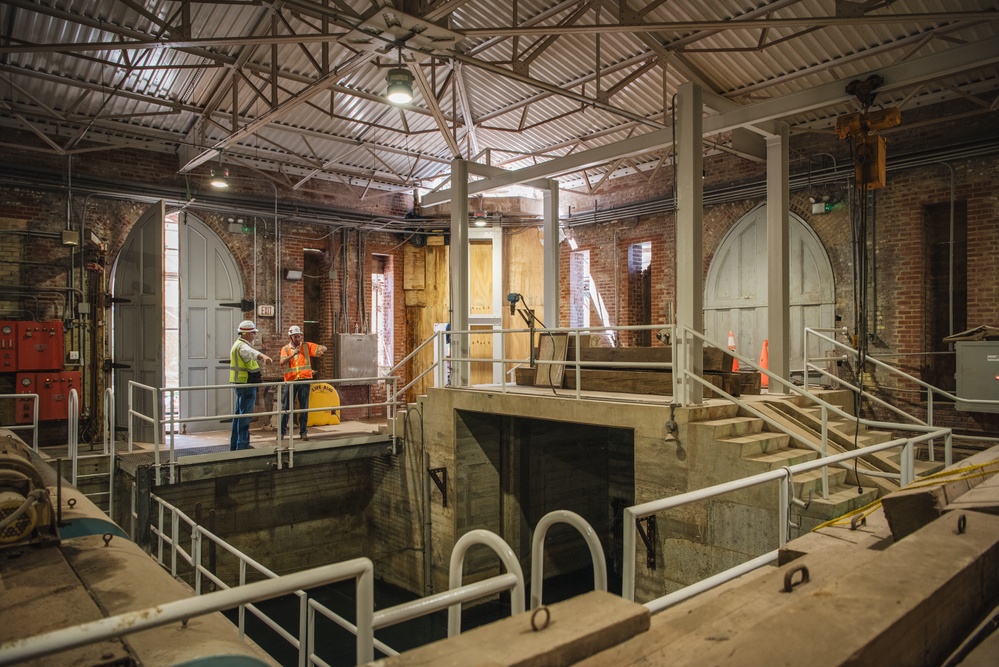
{"x": 137, "y": 318}
{"x": 211, "y": 294}
{"x": 735, "y": 291}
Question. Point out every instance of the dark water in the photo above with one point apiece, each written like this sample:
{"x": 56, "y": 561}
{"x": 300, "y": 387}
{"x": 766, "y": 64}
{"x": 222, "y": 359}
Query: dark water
{"x": 338, "y": 647}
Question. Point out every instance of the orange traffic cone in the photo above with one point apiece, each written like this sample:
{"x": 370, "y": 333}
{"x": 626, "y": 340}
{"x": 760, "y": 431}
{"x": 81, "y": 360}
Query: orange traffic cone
{"x": 731, "y": 346}
{"x": 765, "y": 363}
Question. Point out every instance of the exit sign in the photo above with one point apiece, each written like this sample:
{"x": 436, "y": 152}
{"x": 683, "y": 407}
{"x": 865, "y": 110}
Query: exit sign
{"x": 265, "y": 311}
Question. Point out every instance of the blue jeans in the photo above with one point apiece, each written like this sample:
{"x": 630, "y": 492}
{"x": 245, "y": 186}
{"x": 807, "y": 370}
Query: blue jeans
{"x": 246, "y": 399}
{"x": 302, "y": 396}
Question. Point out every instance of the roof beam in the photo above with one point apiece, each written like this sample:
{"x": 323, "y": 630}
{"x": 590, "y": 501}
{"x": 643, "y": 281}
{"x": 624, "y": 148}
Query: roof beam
{"x": 896, "y": 77}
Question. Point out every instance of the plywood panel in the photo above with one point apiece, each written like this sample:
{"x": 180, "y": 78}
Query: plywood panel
{"x": 524, "y": 275}
{"x": 481, "y": 347}
{"x": 425, "y": 306}
{"x": 480, "y": 285}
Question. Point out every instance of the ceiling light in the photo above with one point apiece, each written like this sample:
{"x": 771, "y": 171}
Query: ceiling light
{"x": 221, "y": 180}
{"x": 480, "y": 219}
{"x": 400, "y": 85}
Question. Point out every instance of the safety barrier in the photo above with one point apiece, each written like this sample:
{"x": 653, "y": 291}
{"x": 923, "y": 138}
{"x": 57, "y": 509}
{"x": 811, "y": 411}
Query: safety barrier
{"x": 811, "y": 364}
{"x": 784, "y": 476}
{"x": 368, "y": 620}
{"x": 167, "y": 396}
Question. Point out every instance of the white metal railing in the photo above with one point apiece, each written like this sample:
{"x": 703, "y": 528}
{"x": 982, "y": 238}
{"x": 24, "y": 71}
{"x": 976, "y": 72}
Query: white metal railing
{"x": 167, "y": 396}
{"x": 785, "y": 476}
{"x": 812, "y": 364}
{"x": 34, "y": 398}
{"x": 538, "y": 551}
{"x": 461, "y": 365}
{"x": 182, "y": 610}
{"x": 928, "y": 433}
{"x": 368, "y": 620}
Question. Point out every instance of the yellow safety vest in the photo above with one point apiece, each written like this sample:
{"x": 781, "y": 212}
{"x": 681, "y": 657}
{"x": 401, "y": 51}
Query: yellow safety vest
{"x": 239, "y": 370}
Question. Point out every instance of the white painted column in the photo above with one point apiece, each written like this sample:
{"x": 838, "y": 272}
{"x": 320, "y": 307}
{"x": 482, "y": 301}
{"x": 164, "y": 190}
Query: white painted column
{"x": 551, "y": 235}
{"x": 689, "y": 232}
{"x": 459, "y": 270}
{"x": 778, "y": 255}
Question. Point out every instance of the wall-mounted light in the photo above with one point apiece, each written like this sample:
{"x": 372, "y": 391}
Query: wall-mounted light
{"x": 293, "y": 274}
{"x": 400, "y": 85}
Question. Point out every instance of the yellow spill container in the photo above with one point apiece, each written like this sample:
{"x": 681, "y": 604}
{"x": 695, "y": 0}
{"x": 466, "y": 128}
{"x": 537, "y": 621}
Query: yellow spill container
{"x": 323, "y": 395}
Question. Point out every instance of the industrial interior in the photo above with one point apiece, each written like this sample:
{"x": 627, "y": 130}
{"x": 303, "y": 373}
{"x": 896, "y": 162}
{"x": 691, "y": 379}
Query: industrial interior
{"x": 656, "y": 332}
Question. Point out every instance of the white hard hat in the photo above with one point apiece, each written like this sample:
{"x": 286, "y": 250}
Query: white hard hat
{"x": 294, "y": 329}
{"x": 247, "y": 326}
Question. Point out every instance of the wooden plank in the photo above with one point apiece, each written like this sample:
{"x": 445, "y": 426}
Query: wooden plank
{"x": 551, "y": 347}
{"x": 713, "y": 358}
{"x": 576, "y": 628}
{"x": 629, "y": 382}
{"x": 908, "y": 510}
{"x": 907, "y": 605}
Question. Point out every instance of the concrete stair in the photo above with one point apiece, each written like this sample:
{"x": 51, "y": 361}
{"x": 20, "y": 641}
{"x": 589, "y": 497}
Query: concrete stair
{"x": 742, "y": 447}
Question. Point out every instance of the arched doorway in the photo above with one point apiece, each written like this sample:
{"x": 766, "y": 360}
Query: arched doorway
{"x": 178, "y": 299}
{"x": 735, "y": 291}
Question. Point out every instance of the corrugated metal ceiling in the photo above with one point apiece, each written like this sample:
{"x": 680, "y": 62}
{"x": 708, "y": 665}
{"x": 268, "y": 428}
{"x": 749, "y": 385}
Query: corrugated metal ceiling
{"x": 296, "y": 87}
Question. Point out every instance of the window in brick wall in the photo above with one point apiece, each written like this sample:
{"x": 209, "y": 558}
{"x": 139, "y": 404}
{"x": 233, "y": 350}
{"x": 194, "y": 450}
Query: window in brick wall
{"x": 381, "y": 309}
{"x": 640, "y": 290}
{"x": 580, "y": 285}
{"x": 939, "y": 246}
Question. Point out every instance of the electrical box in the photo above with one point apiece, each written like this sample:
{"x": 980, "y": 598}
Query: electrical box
{"x": 978, "y": 374}
{"x": 355, "y": 356}
{"x": 39, "y": 346}
{"x": 871, "y": 161}
{"x": 53, "y": 391}
{"x": 8, "y": 347}
{"x": 25, "y": 408}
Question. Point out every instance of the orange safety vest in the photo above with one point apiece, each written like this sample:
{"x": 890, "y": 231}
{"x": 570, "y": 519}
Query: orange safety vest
{"x": 300, "y": 367}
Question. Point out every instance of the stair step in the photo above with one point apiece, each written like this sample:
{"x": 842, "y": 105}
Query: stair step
{"x": 812, "y": 481}
{"x": 731, "y": 426}
{"x": 842, "y": 499}
{"x": 758, "y": 443}
{"x": 781, "y": 458}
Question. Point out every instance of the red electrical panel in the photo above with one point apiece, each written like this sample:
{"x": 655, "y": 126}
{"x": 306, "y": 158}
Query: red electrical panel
{"x": 25, "y": 408}
{"x": 8, "y": 347}
{"x": 53, "y": 393}
{"x": 39, "y": 346}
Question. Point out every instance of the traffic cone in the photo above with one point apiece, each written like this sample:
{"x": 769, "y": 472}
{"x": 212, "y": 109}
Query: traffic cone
{"x": 731, "y": 346}
{"x": 765, "y": 363}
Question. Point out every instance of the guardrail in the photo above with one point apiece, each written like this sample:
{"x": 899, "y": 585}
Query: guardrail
{"x": 167, "y": 396}
{"x": 368, "y": 620}
{"x": 813, "y": 364}
{"x": 784, "y": 476}
{"x": 928, "y": 433}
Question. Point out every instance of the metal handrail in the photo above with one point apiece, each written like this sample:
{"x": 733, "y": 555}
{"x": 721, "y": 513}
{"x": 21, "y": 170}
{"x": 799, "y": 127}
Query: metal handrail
{"x": 365, "y": 635}
{"x": 538, "y": 551}
{"x": 506, "y": 555}
{"x": 34, "y": 423}
{"x": 786, "y": 474}
{"x": 170, "y": 422}
{"x": 930, "y": 389}
{"x": 826, "y": 406}
{"x": 48, "y": 643}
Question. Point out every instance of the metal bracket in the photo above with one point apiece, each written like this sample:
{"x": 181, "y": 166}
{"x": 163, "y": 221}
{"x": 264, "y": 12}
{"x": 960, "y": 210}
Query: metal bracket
{"x": 439, "y": 475}
{"x": 648, "y": 535}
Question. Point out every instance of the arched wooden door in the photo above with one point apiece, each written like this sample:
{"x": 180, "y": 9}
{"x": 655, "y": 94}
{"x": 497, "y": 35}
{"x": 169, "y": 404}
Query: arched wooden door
{"x": 211, "y": 295}
{"x": 735, "y": 291}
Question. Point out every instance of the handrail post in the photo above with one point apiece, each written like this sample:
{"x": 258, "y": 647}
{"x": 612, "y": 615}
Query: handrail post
{"x": 628, "y": 565}
{"x": 538, "y": 551}
{"x": 365, "y": 607}
{"x": 174, "y": 539}
{"x": 196, "y": 556}
{"x": 825, "y": 451}
{"x": 579, "y": 372}
{"x": 173, "y": 428}
{"x": 73, "y": 432}
{"x": 929, "y": 422}
{"x": 804, "y": 358}
{"x": 784, "y": 511}
{"x": 506, "y": 555}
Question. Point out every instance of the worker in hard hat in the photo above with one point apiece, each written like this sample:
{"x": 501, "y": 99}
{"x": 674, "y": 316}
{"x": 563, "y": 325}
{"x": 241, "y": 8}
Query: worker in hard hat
{"x": 296, "y": 358}
{"x": 244, "y": 374}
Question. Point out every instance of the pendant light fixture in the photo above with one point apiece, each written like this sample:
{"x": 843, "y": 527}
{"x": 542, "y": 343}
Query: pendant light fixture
{"x": 220, "y": 180}
{"x": 400, "y": 84}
